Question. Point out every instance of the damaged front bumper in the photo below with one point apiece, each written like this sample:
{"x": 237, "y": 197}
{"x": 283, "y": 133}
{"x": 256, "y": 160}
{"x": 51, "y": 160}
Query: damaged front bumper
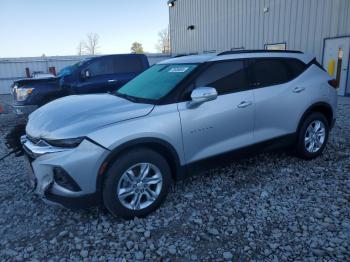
{"x": 65, "y": 176}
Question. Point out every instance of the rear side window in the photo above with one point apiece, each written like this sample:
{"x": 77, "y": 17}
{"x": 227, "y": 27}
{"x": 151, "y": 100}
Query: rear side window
{"x": 128, "y": 64}
{"x": 101, "y": 67}
{"x": 269, "y": 72}
{"x": 226, "y": 77}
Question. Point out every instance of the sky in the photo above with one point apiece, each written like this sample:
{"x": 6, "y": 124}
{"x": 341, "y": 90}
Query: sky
{"x": 55, "y": 27}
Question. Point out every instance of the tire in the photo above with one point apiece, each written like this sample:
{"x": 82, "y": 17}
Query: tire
{"x": 122, "y": 189}
{"x": 304, "y": 149}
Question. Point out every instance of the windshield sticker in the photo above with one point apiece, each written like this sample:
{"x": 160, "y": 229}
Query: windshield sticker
{"x": 178, "y": 70}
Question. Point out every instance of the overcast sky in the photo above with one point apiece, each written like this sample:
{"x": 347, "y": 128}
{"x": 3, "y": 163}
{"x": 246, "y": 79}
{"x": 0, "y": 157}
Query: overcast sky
{"x": 55, "y": 27}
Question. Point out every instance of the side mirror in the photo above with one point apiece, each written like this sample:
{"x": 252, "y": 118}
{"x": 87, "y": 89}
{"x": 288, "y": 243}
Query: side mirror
{"x": 85, "y": 74}
{"x": 202, "y": 94}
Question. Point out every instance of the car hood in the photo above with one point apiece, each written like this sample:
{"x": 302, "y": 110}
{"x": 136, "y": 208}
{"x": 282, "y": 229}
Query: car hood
{"x": 78, "y": 115}
{"x": 33, "y": 81}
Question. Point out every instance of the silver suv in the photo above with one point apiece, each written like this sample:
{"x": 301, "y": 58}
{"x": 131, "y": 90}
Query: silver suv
{"x": 124, "y": 149}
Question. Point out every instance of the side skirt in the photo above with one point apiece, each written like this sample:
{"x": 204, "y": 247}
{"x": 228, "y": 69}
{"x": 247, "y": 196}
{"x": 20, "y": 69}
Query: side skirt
{"x": 228, "y": 157}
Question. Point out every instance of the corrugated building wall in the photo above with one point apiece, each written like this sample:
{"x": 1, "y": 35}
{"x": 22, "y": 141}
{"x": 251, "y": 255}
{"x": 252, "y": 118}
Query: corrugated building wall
{"x": 221, "y": 25}
{"x": 14, "y": 68}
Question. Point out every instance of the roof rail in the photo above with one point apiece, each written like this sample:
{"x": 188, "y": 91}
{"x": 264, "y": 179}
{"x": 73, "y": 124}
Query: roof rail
{"x": 180, "y": 55}
{"x": 259, "y": 51}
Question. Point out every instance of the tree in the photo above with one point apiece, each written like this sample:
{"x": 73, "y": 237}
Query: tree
{"x": 163, "y": 45}
{"x": 91, "y": 45}
{"x": 80, "y": 48}
{"x": 136, "y": 48}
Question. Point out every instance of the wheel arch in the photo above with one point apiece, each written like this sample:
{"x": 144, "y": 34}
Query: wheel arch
{"x": 321, "y": 107}
{"x": 158, "y": 145}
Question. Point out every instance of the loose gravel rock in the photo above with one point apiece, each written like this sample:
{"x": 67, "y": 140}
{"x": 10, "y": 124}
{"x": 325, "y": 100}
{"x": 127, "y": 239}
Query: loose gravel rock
{"x": 271, "y": 207}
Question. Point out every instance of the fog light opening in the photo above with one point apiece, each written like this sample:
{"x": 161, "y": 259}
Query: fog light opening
{"x": 63, "y": 179}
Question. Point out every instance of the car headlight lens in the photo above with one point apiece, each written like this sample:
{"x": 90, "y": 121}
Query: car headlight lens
{"x": 70, "y": 142}
{"x": 23, "y": 93}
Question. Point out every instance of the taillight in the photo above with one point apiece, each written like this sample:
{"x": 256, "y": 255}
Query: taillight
{"x": 333, "y": 83}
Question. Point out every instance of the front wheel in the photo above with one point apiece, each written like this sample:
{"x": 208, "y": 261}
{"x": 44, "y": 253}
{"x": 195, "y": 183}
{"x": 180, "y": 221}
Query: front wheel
{"x": 313, "y": 136}
{"x": 136, "y": 184}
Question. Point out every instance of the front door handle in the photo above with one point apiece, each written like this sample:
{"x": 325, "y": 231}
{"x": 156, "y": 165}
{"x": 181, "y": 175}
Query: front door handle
{"x": 298, "y": 89}
{"x": 244, "y": 104}
{"x": 112, "y": 81}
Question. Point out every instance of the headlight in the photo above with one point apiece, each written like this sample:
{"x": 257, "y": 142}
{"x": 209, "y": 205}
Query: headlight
{"x": 13, "y": 90}
{"x": 23, "y": 93}
{"x": 70, "y": 142}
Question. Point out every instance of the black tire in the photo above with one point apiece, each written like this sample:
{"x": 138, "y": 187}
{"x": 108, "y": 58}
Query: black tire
{"x": 121, "y": 165}
{"x": 301, "y": 149}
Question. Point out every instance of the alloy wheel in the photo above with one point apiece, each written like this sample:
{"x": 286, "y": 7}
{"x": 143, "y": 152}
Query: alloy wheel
{"x": 315, "y": 136}
{"x": 140, "y": 186}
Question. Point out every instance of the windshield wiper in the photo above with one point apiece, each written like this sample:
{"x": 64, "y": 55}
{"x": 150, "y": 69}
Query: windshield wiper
{"x": 127, "y": 97}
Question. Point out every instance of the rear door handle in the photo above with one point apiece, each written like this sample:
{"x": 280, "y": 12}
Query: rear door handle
{"x": 112, "y": 81}
{"x": 244, "y": 104}
{"x": 298, "y": 89}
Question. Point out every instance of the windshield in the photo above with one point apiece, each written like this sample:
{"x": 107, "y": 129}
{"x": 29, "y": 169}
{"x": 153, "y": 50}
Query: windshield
{"x": 157, "y": 81}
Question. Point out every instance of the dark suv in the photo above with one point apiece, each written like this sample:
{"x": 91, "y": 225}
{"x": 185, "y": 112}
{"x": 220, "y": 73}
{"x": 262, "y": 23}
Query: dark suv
{"x": 92, "y": 75}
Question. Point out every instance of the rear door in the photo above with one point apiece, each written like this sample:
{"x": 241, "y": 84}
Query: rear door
{"x": 278, "y": 94}
{"x": 223, "y": 124}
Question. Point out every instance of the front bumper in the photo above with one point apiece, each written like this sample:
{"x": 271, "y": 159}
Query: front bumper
{"x": 80, "y": 165}
{"x": 24, "y": 110}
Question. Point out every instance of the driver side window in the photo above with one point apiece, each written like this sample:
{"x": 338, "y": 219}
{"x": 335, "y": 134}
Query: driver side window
{"x": 226, "y": 77}
{"x": 101, "y": 67}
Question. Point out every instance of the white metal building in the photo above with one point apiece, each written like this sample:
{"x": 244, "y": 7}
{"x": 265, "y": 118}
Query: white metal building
{"x": 317, "y": 27}
{"x": 15, "y": 68}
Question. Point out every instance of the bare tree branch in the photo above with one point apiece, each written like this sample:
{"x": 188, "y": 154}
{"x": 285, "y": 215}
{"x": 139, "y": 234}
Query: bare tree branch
{"x": 163, "y": 45}
{"x": 80, "y": 48}
{"x": 91, "y": 45}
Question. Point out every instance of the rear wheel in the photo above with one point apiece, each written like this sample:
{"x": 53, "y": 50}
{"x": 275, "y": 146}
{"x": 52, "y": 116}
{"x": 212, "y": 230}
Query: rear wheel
{"x": 136, "y": 184}
{"x": 313, "y": 136}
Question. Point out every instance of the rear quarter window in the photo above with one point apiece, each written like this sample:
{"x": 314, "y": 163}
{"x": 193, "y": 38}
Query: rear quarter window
{"x": 295, "y": 67}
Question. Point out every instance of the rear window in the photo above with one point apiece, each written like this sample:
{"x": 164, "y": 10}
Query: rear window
{"x": 128, "y": 64}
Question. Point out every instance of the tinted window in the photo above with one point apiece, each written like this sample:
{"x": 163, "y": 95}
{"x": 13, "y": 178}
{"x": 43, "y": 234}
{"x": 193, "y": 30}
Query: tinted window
{"x": 101, "y": 67}
{"x": 295, "y": 67}
{"x": 226, "y": 77}
{"x": 269, "y": 72}
{"x": 128, "y": 64}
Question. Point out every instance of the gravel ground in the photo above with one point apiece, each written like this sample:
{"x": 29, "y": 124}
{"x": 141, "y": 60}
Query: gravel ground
{"x": 272, "y": 207}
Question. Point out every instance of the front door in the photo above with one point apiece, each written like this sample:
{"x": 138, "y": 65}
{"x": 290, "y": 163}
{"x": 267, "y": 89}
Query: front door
{"x": 336, "y": 62}
{"x": 223, "y": 124}
{"x": 102, "y": 77}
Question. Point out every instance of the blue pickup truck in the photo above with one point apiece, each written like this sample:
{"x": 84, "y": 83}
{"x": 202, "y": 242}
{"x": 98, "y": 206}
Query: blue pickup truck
{"x": 92, "y": 75}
